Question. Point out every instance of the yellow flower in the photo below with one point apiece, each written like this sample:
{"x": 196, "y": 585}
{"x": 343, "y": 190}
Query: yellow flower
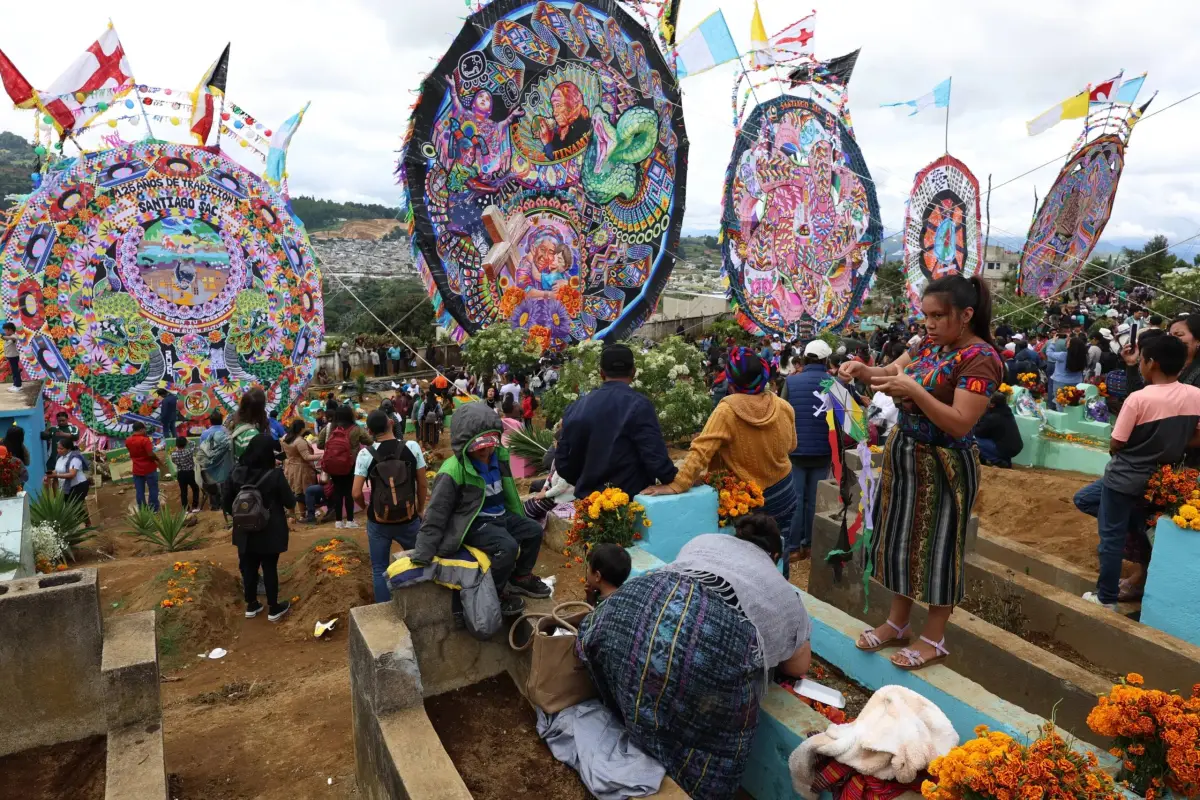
{"x": 1188, "y": 512}
{"x": 594, "y": 511}
{"x": 647, "y": 523}
{"x": 1180, "y": 521}
{"x": 1134, "y": 679}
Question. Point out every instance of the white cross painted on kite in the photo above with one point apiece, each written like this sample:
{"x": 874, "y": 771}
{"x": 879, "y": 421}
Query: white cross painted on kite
{"x": 507, "y": 234}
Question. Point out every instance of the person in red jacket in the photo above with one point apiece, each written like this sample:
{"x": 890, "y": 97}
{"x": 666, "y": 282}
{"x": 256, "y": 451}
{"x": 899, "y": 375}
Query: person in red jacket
{"x": 529, "y": 405}
{"x": 145, "y": 466}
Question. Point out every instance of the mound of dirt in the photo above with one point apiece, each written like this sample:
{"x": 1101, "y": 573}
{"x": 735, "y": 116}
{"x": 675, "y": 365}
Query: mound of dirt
{"x": 71, "y": 769}
{"x": 197, "y": 604}
{"x": 1034, "y": 507}
{"x": 330, "y": 578}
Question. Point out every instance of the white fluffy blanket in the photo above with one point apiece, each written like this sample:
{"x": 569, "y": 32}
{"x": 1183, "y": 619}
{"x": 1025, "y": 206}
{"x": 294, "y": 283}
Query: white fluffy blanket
{"x": 898, "y": 733}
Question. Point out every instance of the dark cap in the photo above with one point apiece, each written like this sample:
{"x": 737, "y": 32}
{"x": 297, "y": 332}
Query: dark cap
{"x": 616, "y": 360}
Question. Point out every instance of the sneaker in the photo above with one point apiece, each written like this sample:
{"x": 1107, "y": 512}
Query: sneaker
{"x": 253, "y": 609}
{"x": 511, "y": 606}
{"x": 530, "y": 586}
{"x": 15, "y": 389}
{"x": 339, "y": 524}
{"x": 1094, "y": 598}
{"x": 351, "y": 524}
{"x": 280, "y": 611}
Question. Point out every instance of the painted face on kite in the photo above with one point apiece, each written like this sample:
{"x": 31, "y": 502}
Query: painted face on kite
{"x": 576, "y": 164}
{"x": 159, "y": 263}
{"x": 941, "y": 229}
{"x": 801, "y": 220}
{"x": 1072, "y": 217}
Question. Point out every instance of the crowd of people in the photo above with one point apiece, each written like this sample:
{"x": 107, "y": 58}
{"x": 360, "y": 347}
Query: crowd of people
{"x": 935, "y": 405}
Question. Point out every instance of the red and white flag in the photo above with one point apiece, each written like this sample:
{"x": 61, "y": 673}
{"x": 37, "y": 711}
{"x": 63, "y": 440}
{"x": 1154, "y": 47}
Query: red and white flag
{"x": 797, "y": 38}
{"x": 102, "y": 66}
{"x": 1103, "y": 92}
{"x": 19, "y": 89}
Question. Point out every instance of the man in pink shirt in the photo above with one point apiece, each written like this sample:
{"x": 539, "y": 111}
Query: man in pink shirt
{"x": 1156, "y": 425}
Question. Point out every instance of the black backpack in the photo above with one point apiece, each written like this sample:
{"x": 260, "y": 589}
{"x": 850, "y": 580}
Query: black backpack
{"x": 393, "y": 477}
{"x": 250, "y": 511}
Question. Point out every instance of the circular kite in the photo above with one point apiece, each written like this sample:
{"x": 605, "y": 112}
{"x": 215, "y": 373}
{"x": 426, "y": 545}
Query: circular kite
{"x": 544, "y": 170}
{"x": 801, "y": 220}
{"x": 1072, "y": 217}
{"x": 941, "y": 228}
{"x": 160, "y": 265}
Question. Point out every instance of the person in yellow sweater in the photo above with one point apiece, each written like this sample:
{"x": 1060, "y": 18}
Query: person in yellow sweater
{"x": 750, "y": 435}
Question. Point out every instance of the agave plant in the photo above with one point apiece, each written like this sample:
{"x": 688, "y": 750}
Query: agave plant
{"x": 165, "y": 529}
{"x": 67, "y": 516}
{"x": 530, "y": 445}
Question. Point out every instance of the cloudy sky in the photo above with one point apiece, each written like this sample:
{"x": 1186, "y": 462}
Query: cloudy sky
{"x": 360, "y": 62}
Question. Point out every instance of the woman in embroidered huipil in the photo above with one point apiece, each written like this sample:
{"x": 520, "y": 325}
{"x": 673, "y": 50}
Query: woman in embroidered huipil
{"x": 930, "y": 472}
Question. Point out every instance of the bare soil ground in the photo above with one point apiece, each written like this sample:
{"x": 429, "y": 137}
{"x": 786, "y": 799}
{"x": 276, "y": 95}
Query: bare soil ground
{"x": 72, "y": 769}
{"x": 271, "y": 719}
{"x": 490, "y": 732}
{"x": 1034, "y": 507}
{"x": 371, "y": 229}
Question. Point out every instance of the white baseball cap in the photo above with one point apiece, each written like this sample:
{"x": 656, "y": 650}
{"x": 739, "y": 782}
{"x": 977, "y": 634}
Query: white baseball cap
{"x": 819, "y": 349}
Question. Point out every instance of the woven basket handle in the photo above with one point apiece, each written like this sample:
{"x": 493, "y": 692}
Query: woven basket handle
{"x": 534, "y": 619}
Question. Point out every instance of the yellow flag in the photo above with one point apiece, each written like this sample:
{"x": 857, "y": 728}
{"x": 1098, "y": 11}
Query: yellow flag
{"x": 760, "y": 45}
{"x": 1076, "y": 107}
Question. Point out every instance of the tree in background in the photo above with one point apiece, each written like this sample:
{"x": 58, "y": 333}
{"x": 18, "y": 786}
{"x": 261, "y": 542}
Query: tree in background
{"x": 401, "y": 303}
{"x": 1152, "y": 262}
{"x": 501, "y": 344}
{"x": 1182, "y": 284}
{"x": 17, "y": 163}
{"x": 320, "y": 214}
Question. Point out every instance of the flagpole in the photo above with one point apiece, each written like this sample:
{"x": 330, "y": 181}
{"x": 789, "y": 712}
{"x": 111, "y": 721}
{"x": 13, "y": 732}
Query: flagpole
{"x": 137, "y": 93}
{"x": 948, "y": 93}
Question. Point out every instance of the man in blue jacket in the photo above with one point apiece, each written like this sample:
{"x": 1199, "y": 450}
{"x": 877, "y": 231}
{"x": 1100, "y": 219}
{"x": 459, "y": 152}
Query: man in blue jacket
{"x": 610, "y": 436}
{"x": 812, "y": 456}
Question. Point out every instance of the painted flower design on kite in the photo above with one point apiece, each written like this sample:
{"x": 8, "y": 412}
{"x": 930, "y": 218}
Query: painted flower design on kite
{"x": 557, "y": 318}
{"x": 71, "y": 199}
{"x": 528, "y": 312}
{"x": 264, "y": 212}
{"x": 251, "y": 331}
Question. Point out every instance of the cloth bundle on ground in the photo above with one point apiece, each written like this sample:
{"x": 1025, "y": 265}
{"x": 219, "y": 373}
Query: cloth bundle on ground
{"x": 590, "y": 739}
{"x": 895, "y": 737}
{"x": 468, "y": 571}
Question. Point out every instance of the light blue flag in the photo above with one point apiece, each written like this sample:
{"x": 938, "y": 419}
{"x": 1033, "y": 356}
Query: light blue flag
{"x": 938, "y": 98}
{"x": 1129, "y": 90}
{"x": 708, "y": 45}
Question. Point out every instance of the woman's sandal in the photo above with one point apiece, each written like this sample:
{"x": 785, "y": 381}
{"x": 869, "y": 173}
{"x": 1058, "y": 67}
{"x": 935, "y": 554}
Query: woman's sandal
{"x": 874, "y": 643}
{"x": 917, "y": 661}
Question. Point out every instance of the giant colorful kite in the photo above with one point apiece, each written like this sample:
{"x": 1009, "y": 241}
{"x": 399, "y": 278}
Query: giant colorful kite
{"x": 1074, "y": 213}
{"x": 138, "y": 266}
{"x": 941, "y": 228}
{"x": 544, "y": 170}
{"x": 801, "y": 221}
{"x": 160, "y": 264}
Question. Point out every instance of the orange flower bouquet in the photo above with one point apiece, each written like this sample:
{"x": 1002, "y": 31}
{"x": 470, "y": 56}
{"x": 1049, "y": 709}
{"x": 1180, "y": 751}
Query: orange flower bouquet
{"x": 1068, "y": 396}
{"x": 1156, "y": 734}
{"x": 1175, "y": 491}
{"x": 993, "y": 766}
{"x": 734, "y": 498}
{"x": 607, "y": 516}
{"x": 1032, "y": 382}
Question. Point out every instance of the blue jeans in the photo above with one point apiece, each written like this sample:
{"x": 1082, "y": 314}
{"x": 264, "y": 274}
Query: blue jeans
{"x": 146, "y": 484}
{"x": 1116, "y": 515}
{"x": 311, "y": 495}
{"x": 989, "y": 453}
{"x": 14, "y": 365}
{"x": 379, "y": 544}
{"x": 805, "y": 479}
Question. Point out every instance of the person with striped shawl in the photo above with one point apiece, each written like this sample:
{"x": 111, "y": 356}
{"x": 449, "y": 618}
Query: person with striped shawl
{"x": 930, "y": 476}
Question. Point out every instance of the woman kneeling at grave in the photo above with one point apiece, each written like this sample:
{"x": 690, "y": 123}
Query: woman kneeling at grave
{"x": 681, "y": 655}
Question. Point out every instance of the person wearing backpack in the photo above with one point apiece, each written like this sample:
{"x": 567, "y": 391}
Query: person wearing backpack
{"x": 257, "y": 496}
{"x": 71, "y": 472}
{"x": 396, "y": 473}
{"x": 214, "y": 458}
{"x": 340, "y": 442}
{"x": 432, "y": 419}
